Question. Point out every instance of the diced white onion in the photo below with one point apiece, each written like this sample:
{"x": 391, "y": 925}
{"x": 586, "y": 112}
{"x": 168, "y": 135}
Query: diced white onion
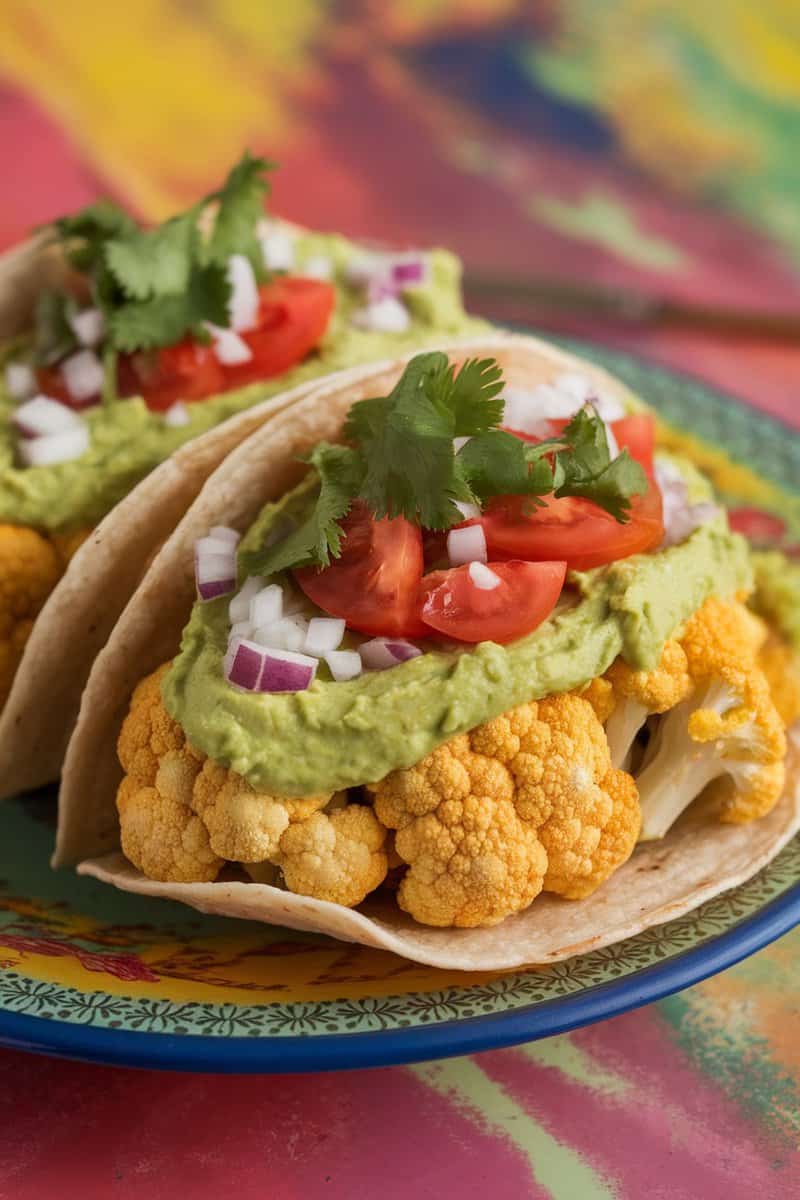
{"x": 288, "y": 633}
{"x": 88, "y": 326}
{"x": 344, "y": 664}
{"x": 388, "y": 315}
{"x": 324, "y": 634}
{"x": 277, "y": 247}
{"x": 83, "y": 375}
{"x": 55, "y": 447}
{"x": 239, "y": 607}
{"x": 244, "y": 302}
{"x": 266, "y": 606}
{"x": 240, "y": 630}
{"x": 613, "y": 444}
{"x": 224, "y": 533}
{"x": 466, "y": 545}
{"x": 680, "y": 517}
{"x": 20, "y": 380}
{"x": 229, "y": 348}
{"x": 459, "y": 443}
{"x": 576, "y": 385}
{"x": 42, "y": 416}
{"x": 483, "y": 577}
{"x": 359, "y": 271}
{"x": 317, "y": 266}
{"x": 468, "y": 510}
{"x": 176, "y": 415}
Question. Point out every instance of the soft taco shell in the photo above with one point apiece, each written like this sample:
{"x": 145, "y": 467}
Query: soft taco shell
{"x": 699, "y": 859}
{"x": 261, "y": 469}
{"x": 41, "y": 709}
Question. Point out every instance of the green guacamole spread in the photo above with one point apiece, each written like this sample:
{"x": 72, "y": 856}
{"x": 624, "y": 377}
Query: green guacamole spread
{"x": 777, "y": 592}
{"x": 128, "y": 441}
{"x": 337, "y": 735}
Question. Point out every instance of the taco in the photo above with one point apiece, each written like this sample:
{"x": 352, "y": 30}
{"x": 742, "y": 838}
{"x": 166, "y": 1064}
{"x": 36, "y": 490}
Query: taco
{"x": 120, "y": 347}
{"x": 476, "y": 681}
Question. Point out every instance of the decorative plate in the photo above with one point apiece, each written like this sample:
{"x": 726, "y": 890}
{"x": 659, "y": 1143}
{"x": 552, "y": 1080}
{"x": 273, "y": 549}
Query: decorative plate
{"x": 91, "y": 973}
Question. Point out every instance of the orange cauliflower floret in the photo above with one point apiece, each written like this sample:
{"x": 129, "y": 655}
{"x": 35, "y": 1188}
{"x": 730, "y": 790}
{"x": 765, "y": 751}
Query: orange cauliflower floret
{"x": 339, "y": 857}
{"x": 781, "y": 667}
{"x": 638, "y": 694}
{"x": 29, "y": 570}
{"x": 245, "y": 825}
{"x": 148, "y": 731}
{"x": 525, "y": 801}
{"x": 729, "y": 726}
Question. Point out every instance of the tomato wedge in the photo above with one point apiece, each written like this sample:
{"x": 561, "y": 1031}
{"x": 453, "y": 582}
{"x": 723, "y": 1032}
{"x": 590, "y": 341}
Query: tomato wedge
{"x": 294, "y": 315}
{"x": 453, "y": 605}
{"x": 186, "y": 371}
{"x": 636, "y": 433}
{"x": 571, "y": 528}
{"x": 374, "y": 584}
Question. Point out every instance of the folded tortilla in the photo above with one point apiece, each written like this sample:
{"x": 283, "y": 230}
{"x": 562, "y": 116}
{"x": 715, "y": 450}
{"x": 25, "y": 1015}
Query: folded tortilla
{"x": 699, "y": 859}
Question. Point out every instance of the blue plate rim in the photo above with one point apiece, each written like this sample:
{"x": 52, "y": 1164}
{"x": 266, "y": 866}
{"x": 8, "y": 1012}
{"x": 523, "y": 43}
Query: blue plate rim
{"x": 382, "y": 1048}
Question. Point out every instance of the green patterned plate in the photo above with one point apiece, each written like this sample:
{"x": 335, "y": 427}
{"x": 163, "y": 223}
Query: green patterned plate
{"x": 92, "y": 973}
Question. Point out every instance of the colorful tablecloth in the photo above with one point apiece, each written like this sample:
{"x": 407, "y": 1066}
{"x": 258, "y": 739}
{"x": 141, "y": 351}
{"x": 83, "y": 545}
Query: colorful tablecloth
{"x": 635, "y": 146}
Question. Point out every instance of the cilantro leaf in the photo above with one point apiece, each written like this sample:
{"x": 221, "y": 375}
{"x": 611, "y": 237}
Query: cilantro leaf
{"x": 498, "y": 463}
{"x": 164, "y": 320}
{"x": 240, "y": 203}
{"x": 590, "y": 472}
{"x": 85, "y": 233}
{"x": 320, "y": 536}
{"x": 53, "y": 335}
{"x": 154, "y": 262}
{"x": 406, "y": 438}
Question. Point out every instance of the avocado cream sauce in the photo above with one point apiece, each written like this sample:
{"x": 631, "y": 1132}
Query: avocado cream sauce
{"x": 337, "y": 735}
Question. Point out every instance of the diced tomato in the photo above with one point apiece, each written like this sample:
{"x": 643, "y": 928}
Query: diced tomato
{"x": 636, "y": 433}
{"x": 571, "y": 528}
{"x": 762, "y": 528}
{"x": 453, "y": 605}
{"x": 374, "y": 584}
{"x": 293, "y": 317}
{"x": 186, "y": 371}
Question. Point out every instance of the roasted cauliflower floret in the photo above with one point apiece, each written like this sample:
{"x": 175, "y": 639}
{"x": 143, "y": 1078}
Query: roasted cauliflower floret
{"x": 638, "y": 694}
{"x": 781, "y": 666}
{"x": 245, "y": 825}
{"x": 29, "y": 570}
{"x": 339, "y": 857}
{"x": 729, "y": 726}
{"x": 148, "y": 731}
{"x": 525, "y": 801}
{"x": 160, "y": 834}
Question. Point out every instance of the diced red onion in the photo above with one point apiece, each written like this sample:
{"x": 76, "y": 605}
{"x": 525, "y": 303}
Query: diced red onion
{"x": 466, "y": 545}
{"x": 20, "y": 380}
{"x": 176, "y": 415}
{"x": 224, "y": 533}
{"x": 277, "y": 247}
{"x": 244, "y": 301}
{"x": 42, "y": 416}
{"x": 239, "y": 607}
{"x": 266, "y": 606}
{"x": 344, "y": 664}
{"x": 468, "y": 511}
{"x": 229, "y": 348}
{"x": 244, "y": 665}
{"x": 483, "y": 577}
{"x": 388, "y": 315}
{"x": 381, "y": 653}
{"x": 55, "y": 448}
{"x": 214, "y": 568}
{"x": 287, "y": 672}
{"x": 288, "y": 633}
{"x": 409, "y": 270}
{"x": 680, "y": 517}
{"x": 83, "y": 375}
{"x": 317, "y": 266}
{"x": 324, "y": 635}
{"x": 88, "y": 326}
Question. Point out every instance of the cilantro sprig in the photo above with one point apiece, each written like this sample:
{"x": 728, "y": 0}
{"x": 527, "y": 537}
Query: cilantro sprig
{"x": 155, "y": 286}
{"x": 403, "y": 458}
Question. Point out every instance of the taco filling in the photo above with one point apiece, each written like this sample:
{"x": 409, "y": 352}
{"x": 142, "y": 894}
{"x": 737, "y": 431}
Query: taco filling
{"x": 490, "y": 641}
{"x": 154, "y": 336}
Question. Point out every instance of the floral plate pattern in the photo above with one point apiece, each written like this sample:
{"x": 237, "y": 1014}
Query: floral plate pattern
{"x": 92, "y": 973}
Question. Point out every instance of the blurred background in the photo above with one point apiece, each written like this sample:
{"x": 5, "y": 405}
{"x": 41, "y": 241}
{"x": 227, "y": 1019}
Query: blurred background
{"x": 624, "y": 169}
